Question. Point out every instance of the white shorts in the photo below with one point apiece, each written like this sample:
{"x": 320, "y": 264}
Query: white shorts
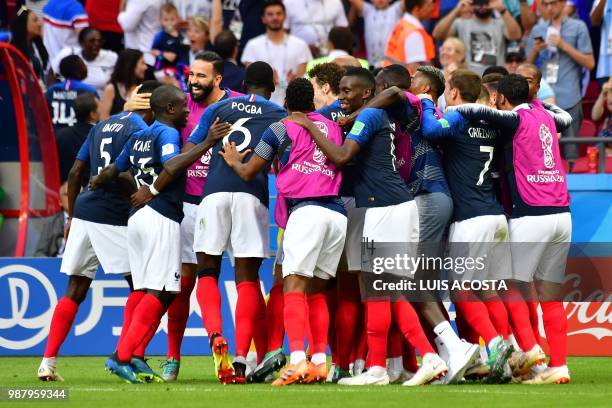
{"x": 394, "y": 223}
{"x": 543, "y": 255}
{"x": 354, "y": 233}
{"x": 279, "y": 250}
{"x": 187, "y": 229}
{"x": 154, "y": 247}
{"x": 236, "y": 219}
{"x": 485, "y": 240}
{"x": 313, "y": 242}
{"x": 91, "y": 244}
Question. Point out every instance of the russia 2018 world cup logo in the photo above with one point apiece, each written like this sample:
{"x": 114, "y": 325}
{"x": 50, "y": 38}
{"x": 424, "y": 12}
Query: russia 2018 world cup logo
{"x": 547, "y": 138}
{"x": 318, "y": 156}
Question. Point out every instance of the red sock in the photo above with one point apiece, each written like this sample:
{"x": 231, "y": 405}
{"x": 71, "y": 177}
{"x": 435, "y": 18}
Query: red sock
{"x": 274, "y": 318}
{"x": 409, "y": 358}
{"x": 209, "y": 299}
{"x": 331, "y": 297}
{"x": 534, "y": 318}
{"x": 395, "y": 347}
{"x": 348, "y": 319}
{"x": 141, "y": 349}
{"x": 246, "y": 313}
{"x": 318, "y": 317}
{"x": 555, "y": 325}
{"x": 498, "y": 315}
{"x": 518, "y": 312}
{"x": 463, "y": 329}
{"x": 409, "y": 325}
{"x": 260, "y": 336}
{"x": 147, "y": 313}
{"x": 360, "y": 348}
{"x": 61, "y": 322}
{"x": 178, "y": 314}
{"x": 378, "y": 320}
{"x": 476, "y": 315}
{"x": 128, "y": 311}
{"x": 295, "y": 314}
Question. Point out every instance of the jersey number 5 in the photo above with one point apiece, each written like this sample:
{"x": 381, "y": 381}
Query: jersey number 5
{"x": 237, "y": 127}
{"x": 485, "y": 149}
{"x": 104, "y": 155}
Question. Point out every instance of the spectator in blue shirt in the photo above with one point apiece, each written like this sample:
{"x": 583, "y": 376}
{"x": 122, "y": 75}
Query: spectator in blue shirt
{"x": 601, "y": 15}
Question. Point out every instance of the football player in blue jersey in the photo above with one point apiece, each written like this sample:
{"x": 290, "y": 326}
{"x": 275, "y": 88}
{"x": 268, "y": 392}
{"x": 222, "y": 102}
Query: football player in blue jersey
{"x": 479, "y": 224}
{"x": 97, "y": 225}
{"x": 234, "y": 213}
{"x": 380, "y": 189}
{"x": 60, "y": 96}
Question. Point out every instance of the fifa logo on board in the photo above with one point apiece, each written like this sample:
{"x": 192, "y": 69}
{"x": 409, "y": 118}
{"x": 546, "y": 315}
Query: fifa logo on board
{"x": 547, "y": 142}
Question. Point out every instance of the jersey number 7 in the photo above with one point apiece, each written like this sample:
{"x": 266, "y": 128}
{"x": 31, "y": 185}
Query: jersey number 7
{"x": 485, "y": 149}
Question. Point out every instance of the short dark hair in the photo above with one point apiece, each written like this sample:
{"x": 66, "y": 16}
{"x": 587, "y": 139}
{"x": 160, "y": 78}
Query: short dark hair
{"x": 495, "y": 69}
{"x": 342, "y": 38}
{"x": 164, "y": 95}
{"x": 84, "y": 104}
{"x": 149, "y": 86}
{"x": 72, "y": 67}
{"x": 328, "y": 73}
{"x": 396, "y": 75}
{"x": 364, "y": 75}
{"x": 467, "y": 83}
{"x": 491, "y": 80}
{"x": 300, "y": 95}
{"x": 533, "y": 67}
{"x": 515, "y": 88}
{"x": 225, "y": 44}
{"x": 259, "y": 74}
{"x": 212, "y": 57}
{"x": 272, "y": 3}
{"x": 411, "y": 4}
{"x": 434, "y": 77}
{"x": 85, "y": 32}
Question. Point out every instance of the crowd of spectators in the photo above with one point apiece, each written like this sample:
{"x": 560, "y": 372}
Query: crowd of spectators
{"x": 123, "y": 42}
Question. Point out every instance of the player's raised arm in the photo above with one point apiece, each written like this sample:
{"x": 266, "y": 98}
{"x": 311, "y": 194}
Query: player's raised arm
{"x": 436, "y": 129}
{"x": 562, "y": 119}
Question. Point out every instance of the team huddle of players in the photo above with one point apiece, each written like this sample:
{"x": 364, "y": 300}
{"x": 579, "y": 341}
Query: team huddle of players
{"x": 176, "y": 180}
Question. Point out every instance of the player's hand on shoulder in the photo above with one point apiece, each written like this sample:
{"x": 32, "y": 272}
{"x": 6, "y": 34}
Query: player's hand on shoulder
{"x": 137, "y": 101}
{"x": 141, "y": 197}
{"x": 298, "y": 118}
{"x": 231, "y": 155}
{"x": 218, "y": 130}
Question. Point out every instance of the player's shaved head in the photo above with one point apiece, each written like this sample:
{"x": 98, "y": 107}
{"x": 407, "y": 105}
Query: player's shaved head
{"x": 259, "y": 79}
{"x": 347, "y": 61}
{"x": 393, "y": 75}
{"x": 536, "y": 71}
{"x": 164, "y": 96}
{"x": 433, "y": 78}
{"x": 300, "y": 95}
{"x": 362, "y": 76}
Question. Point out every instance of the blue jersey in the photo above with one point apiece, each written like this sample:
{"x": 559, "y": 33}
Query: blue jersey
{"x": 468, "y": 153}
{"x": 377, "y": 182}
{"x": 333, "y": 112}
{"x": 60, "y": 99}
{"x": 103, "y": 145}
{"x": 250, "y": 116}
{"x": 146, "y": 152}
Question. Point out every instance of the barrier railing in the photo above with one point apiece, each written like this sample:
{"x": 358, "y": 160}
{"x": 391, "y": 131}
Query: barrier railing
{"x": 600, "y": 142}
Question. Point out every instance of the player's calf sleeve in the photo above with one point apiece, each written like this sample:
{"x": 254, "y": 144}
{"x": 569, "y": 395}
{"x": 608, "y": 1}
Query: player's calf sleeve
{"x": 61, "y": 322}
{"x": 476, "y": 315}
{"x": 409, "y": 325}
{"x": 394, "y": 342}
{"x": 295, "y": 312}
{"x": 318, "y": 317}
{"x": 141, "y": 349}
{"x": 246, "y": 313}
{"x": 498, "y": 315}
{"x": 178, "y": 314}
{"x": 555, "y": 325}
{"x": 130, "y": 305}
{"x": 378, "y": 320}
{"x": 518, "y": 314}
{"x": 260, "y": 335}
{"x": 274, "y": 318}
{"x": 147, "y": 313}
{"x": 348, "y": 311}
{"x": 534, "y": 318}
{"x": 464, "y": 329}
{"x": 209, "y": 299}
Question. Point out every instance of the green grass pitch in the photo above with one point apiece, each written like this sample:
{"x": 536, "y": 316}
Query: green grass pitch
{"x": 90, "y": 386}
